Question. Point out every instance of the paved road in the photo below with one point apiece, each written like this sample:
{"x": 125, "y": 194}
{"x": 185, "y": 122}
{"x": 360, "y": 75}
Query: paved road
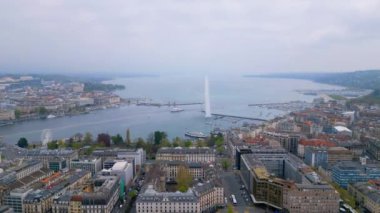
{"x": 232, "y": 184}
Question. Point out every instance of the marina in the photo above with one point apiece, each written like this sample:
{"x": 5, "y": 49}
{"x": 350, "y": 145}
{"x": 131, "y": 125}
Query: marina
{"x": 286, "y": 106}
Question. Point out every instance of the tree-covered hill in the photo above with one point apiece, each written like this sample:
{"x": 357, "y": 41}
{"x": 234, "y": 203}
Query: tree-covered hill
{"x": 368, "y": 79}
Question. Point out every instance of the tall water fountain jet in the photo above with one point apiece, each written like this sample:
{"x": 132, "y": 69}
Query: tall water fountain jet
{"x": 46, "y": 137}
{"x": 207, "y": 99}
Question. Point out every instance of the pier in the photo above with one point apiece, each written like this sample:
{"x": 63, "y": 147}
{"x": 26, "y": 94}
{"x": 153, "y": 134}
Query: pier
{"x": 268, "y": 104}
{"x": 287, "y": 106}
{"x": 239, "y": 117}
{"x": 167, "y": 104}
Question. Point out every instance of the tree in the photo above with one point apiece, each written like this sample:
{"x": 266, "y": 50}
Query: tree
{"x": 201, "y": 143}
{"x": 132, "y": 194}
{"x": 220, "y": 149}
{"x": 128, "y": 138}
{"x": 219, "y": 142}
{"x": 230, "y": 209}
{"x": 225, "y": 164}
{"x": 52, "y": 145}
{"x": 104, "y": 139}
{"x": 70, "y": 142}
{"x": 77, "y": 145}
{"x": 87, "y": 139}
{"x": 61, "y": 144}
{"x": 23, "y": 143}
{"x": 184, "y": 178}
{"x": 117, "y": 139}
{"x": 165, "y": 143}
{"x": 211, "y": 142}
{"x": 42, "y": 110}
{"x": 177, "y": 142}
{"x": 17, "y": 113}
{"x": 188, "y": 143}
{"x": 159, "y": 136}
{"x": 150, "y": 138}
{"x": 89, "y": 150}
{"x": 140, "y": 143}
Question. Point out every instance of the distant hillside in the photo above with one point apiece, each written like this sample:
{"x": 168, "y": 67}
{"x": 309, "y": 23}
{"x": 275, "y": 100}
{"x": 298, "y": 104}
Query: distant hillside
{"x": 368, "y": 79}
{"x": 373, "y": 98}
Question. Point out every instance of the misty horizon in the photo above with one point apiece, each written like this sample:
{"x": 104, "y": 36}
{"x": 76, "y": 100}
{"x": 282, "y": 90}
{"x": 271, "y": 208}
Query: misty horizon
{"x": 180, "y": 37}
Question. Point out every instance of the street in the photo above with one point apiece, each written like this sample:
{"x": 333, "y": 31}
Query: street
{"x": 232, "y": 185}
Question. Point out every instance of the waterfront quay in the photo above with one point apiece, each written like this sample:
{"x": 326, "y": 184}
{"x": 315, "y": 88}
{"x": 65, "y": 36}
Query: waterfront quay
{"x": 33, "y": 97}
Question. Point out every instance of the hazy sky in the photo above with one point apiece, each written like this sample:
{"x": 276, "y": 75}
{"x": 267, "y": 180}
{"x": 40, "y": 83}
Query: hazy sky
{"x": 186, "y": 36}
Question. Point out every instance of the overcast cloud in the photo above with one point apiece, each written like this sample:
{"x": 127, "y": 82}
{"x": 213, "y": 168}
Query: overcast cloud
{"x": 185, "y": 36}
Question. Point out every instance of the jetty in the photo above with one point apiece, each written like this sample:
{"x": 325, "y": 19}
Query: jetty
{"x": 235, "y": 116}
{"x": 167, "y": 104}
{"x": 286, "y": 106}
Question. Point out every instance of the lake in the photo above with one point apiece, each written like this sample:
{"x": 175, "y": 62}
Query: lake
{"x": 229, "y": 95}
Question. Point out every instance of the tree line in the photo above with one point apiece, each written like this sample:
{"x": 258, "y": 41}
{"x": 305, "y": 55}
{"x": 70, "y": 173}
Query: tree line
{"x": 151, "y": 144}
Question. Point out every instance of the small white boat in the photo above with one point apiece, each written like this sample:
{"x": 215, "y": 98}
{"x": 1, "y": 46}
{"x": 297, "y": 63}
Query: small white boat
{"x": 51, "y": 116}
{"x": 176, "y": 109}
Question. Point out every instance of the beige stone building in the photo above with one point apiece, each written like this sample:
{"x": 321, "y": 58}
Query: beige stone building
{"x": 192, "y": 154}
{"x": 307, "y": 198}
{"x": 210, "y": 194}
{"x": 7, "y": 115}
{"x": 338, "y": 154}
{"x": 98, "y": 196}
{"x": 171, "y": 168}
{"x": 151, "y": 201}
{"x": 366, "y": 194}
{"x": 41, "y": 200}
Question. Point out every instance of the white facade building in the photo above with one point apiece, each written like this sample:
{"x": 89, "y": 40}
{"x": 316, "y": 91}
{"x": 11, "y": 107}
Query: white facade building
{"x": 124, "y": 170}
{"x": 139, "y": 155}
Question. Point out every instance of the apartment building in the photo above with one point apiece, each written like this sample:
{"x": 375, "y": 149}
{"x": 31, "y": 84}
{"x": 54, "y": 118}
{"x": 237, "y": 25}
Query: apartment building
{"x": 93, "y": 165}
{"x": 344, "y": 173}
{"x": 366, "y": 194}
{"x": 41, "y": 200}
{"x": 373, "y": 148}
{"x": 338, "y": 154}
{"x": 138, "y": 154}
{"x": 151, "y": 201}
{"x": 99, "y": 195}
{"x": 284, "y": 182}
{"x": 16, "y": 198}
{"x": 210, "y": 194}
{"x": 195, "y": 169}
{"x": 46, "y": 155}
{"x": 122, "y": 169}
{"x": 191, "y": 154}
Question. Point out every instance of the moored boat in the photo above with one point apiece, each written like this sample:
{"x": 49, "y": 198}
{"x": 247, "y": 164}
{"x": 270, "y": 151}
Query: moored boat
{"x": 195, "y": 135}
{"x": 176, "y": 109}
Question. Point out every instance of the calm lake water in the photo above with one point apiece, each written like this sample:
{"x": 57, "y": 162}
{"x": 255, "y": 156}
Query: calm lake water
{"x": 229, "y": 95}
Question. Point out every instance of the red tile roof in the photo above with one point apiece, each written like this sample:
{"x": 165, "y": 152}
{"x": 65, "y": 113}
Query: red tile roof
{"x": 316, "y": 142}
